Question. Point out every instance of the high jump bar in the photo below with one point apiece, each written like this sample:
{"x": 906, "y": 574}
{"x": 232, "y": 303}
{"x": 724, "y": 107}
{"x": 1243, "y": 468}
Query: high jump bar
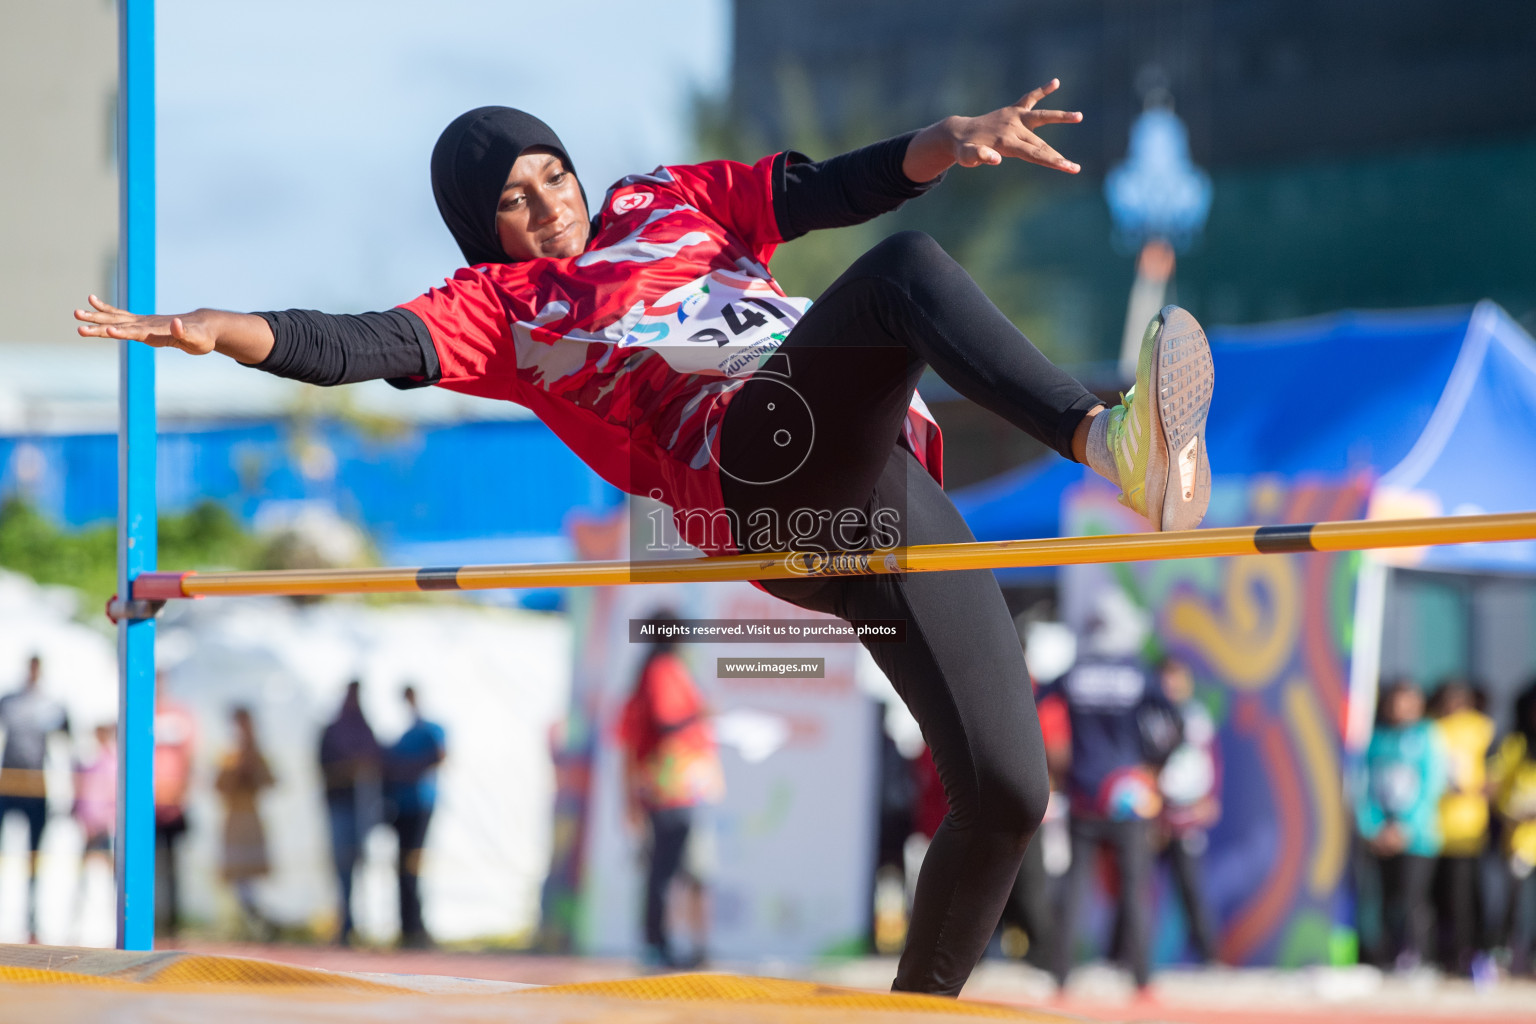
{"x": 1349, "y": 535}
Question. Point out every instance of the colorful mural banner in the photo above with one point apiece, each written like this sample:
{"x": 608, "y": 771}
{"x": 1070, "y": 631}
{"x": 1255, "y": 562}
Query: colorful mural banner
{"x": 1269, "y": 641}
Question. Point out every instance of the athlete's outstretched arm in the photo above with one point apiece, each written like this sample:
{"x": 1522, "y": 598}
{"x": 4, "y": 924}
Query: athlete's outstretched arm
{"x": 973, "y": 141}
{"x": 850, "y": 188}
{"x": 860, "y": 185}
{"x": 301, "y": 344}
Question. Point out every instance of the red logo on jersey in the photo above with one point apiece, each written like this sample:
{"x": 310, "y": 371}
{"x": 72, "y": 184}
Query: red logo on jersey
{"x": 631, "y": 202}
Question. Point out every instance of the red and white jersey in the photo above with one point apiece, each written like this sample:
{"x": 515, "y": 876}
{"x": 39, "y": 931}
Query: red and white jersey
{"x": 631, "y": 351}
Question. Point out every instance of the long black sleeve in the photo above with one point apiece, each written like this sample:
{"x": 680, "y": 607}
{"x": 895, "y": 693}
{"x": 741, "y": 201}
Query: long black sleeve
{"x": 848, "y": 189}
{"x": 328, "y": 348}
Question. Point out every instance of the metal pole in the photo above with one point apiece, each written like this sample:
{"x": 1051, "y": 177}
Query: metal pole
{"x": 1353, "y": 535}
{"x": 136, "y": 526}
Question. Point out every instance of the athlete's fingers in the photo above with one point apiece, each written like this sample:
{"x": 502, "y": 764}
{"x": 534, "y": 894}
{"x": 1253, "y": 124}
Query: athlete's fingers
{"x": 1032, "y": 148}
{"x": 1039, "y": 151}
{"x": 86, "y": 316}
{"x": 1029, "y": 99}
{"x": 1038, "y": 117}
{"x": 152, "y": 330}
{"x": 974, "y": 154}
{"x": 138, "y": 330}
{"x": 1045, "y": 156}
{"x": 104, "y": 319}
{"x": 103, "y": 313}
{"x": 94, "y": 330}
{"x": 1023, "y": 144}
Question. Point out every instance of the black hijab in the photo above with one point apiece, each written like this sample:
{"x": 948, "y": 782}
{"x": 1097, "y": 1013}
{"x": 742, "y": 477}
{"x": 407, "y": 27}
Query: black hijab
{"x": 470, "y": 164}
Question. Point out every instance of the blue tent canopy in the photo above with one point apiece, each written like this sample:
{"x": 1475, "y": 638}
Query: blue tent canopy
{"x": 1332, "y": 395}
{"x": 1477, "y": 452}
{"x": 1020, "y": 504}
{"x": 1439, "y": 405}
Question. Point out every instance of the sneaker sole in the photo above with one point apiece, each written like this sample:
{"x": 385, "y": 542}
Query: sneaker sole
{"x": 1183, "y": 378}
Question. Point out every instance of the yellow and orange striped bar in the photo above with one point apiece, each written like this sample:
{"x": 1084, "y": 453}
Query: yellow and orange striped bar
{"x": 1352, "y": 535}
{"x": 931, "y": 558}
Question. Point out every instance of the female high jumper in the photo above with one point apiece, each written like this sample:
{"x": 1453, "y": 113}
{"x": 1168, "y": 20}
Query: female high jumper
{"x": 652, "y": 339}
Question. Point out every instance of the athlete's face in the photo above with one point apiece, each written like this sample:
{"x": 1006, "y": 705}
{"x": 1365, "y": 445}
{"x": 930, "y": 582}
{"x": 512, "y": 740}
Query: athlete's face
{"x": 541, "y": 212}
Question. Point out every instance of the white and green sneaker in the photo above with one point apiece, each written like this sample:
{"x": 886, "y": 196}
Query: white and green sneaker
{"x": 1157, "y": 432}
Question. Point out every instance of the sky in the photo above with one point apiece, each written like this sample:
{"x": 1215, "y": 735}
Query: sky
{"x": 294, "y": 135}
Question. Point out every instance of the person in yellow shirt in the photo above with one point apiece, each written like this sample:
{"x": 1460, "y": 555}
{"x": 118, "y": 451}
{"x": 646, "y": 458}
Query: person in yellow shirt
{"x": 1514, "y": 797}
{"x": 1466, "y": 734}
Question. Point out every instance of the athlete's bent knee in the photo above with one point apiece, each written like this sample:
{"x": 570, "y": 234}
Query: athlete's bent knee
{"x": 1015, "y": 805}
{"x": 908, "y": 253}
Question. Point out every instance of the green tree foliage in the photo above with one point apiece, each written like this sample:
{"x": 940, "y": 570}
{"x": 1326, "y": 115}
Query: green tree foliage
{"x": 207, "y": 537}
{"x": 34, "y": 546}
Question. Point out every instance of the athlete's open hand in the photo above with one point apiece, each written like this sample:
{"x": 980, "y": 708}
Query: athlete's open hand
{"x": 242, "y": 336}
{"x": 187, "y": 332}
{"x": 973, "y": 141}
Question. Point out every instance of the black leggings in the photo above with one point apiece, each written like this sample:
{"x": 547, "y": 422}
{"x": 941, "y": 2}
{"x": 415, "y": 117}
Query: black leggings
{"x": 1407, "y": 909}
{"x": 1189, "y": 879}
{"x": 854, "y": 360}
{"x": 1132, "y": 842}
{"x": 669, "y": 839}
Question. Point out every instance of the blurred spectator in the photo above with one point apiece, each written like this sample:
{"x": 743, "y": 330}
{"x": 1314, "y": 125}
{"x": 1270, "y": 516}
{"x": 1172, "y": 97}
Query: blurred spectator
{"x": 1028, "y": 910}
{"x": 694, "y": 877}
{"x": 243, "y": 774}
{"x": 1189, "y": 783}
{"x": 1466, "y": 734}
{"x": 671, "y": 767}
{"x": 410, "y": 793}
{"x": 897, "y": 796}
{"x": 28, "y": 717}
{"x": 1398, "y": 812}
{"x": 928, "y": 813}
{"x": 896, "y": 812}
{"x": 95, "y": 807}
{"x": 1514, "y": 797}
{"x": 932, "y": 805}
{"x": 1122, "y": 727}
{"x": 175, "y": 743}
{"x": 351, "y": 761}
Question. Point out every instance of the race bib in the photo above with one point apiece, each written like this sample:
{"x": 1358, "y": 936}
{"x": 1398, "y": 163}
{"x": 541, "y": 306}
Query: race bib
{"x": 722, "y": 325}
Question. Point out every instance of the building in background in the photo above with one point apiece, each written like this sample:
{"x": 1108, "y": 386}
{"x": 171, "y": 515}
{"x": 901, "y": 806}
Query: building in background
{"x": 58, "y": 170}
{"x": 1366, "y": 155}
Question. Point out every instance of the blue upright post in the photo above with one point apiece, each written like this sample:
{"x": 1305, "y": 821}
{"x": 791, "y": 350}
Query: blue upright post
{"x": 136, "y": 527}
